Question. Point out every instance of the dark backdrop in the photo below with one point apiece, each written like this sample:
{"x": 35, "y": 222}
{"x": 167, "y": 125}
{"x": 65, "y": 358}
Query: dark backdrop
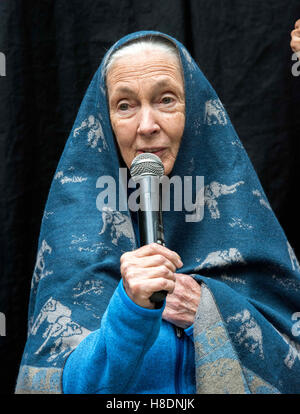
{"x": 52, "y": 50}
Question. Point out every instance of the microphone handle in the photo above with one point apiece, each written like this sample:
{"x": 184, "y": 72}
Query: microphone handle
{"x": 158, "y": 298}
{"x": 151, "y": 231}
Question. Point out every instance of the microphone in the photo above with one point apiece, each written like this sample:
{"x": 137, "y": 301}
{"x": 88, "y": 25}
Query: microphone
{"x": 146, "y": 169}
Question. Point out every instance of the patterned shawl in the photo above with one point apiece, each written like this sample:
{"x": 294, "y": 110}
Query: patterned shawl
{"x": 246, "y": 332}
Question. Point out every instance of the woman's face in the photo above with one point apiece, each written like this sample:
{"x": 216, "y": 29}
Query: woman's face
{"x": 147, "y": 105}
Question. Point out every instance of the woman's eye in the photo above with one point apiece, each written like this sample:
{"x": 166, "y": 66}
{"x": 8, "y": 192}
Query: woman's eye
{"x": 123, "y": 107}
{"x": 167, "y": 100}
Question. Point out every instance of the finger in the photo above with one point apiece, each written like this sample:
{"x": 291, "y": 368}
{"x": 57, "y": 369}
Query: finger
{"x": 153, "y": 285}
{"x": 145, "y": 273}
{"x": 140, "y": 291}
{"x": 297, "y": 24}
{"x": 295, "y": 34}
{"x": 147, "y": 267}
{"x": 155, "y": 248}
{"x": 151, "y": 261}
{"x": 151, "y": 250}
{"x": 187, "y": 283}
{"x": 295, "y": 45}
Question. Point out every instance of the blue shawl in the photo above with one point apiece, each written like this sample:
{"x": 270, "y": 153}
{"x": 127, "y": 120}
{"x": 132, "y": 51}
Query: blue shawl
{"x": 246, "y": 334}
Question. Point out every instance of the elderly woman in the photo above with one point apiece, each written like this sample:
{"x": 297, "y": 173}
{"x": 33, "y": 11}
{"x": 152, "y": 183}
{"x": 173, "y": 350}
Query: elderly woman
{"x": 229, "y": 321}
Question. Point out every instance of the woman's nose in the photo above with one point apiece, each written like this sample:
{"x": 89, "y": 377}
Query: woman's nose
{"x": 148, "y": 124}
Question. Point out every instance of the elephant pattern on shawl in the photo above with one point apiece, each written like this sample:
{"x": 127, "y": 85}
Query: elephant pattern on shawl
{"x": 209, "y": 195}
{"x": 214, "y": 113}
{"x": 294, "y": 261}
{"x": 249, "y": 333}
{"x": 61, "y": 332}
{"x": 213, "y": 191}
{"x": 40, "y": 271}
{"x": 221, "y": 258}
{"x": 95, "y": 132}
{"x": 117, "y": 225}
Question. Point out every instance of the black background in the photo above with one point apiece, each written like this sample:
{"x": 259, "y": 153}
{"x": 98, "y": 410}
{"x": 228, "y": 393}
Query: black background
{"x": 52, "y": 50}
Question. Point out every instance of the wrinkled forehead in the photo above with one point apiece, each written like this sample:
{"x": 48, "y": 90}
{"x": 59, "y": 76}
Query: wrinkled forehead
{"x": 167, "y": 47}
{"x": 153, "y": 64}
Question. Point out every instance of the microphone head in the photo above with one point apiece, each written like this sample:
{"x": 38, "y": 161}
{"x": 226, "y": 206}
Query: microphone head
{"x": 147, "y": 164}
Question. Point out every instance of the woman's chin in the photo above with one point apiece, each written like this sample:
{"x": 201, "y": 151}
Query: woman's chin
{"x": 168, "y": 167}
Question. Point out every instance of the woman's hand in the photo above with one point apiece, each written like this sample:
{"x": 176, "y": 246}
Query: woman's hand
{"x": 149, "y": 269}
{"x": 182, "y": 304}
{"x": 295, "y": 35}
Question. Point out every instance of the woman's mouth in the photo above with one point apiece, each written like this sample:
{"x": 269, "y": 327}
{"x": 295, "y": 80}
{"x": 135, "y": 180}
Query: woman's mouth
{"x": 156, "y": 151}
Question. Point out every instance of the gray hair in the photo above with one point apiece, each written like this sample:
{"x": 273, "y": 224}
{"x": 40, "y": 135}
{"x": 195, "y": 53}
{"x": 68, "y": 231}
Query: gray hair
{"x": 141, "y": 44}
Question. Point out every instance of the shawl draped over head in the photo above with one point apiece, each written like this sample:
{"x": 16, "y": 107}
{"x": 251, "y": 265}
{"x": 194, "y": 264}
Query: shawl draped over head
{"x": 246, "y": 330}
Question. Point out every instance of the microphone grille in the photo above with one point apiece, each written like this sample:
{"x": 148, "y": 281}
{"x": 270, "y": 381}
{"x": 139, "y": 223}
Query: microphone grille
{"x": 147, "y": 164}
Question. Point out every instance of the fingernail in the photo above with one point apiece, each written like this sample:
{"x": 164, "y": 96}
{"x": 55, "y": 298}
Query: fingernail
{"x": 180, "y": 263}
